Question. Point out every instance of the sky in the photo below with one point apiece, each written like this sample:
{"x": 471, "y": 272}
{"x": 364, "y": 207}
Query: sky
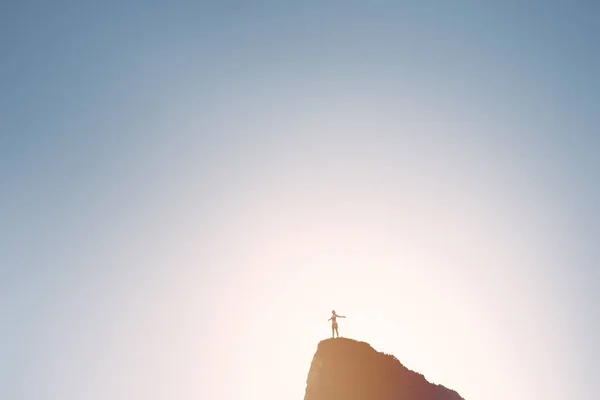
{"x": 188, "y": 189}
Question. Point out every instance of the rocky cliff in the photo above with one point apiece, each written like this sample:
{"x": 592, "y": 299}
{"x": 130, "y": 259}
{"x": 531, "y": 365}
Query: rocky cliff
{"x": 344, "y": 369}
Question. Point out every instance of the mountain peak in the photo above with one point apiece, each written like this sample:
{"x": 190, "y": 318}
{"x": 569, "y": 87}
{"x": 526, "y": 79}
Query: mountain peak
{"x": 346, "y": 369}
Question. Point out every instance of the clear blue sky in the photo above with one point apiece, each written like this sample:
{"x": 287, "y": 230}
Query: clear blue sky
{"x": 158, "y": 159}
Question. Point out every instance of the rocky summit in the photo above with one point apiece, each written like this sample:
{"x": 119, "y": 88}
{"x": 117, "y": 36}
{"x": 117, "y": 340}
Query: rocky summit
{"x": 345, "y": 369}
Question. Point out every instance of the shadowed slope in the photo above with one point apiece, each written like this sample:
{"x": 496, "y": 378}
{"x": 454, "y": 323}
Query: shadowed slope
{"x": 344, "y": 369}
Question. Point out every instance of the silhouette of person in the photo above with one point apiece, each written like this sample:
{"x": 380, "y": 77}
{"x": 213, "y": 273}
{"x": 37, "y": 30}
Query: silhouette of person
{"x": 334, "y": 325}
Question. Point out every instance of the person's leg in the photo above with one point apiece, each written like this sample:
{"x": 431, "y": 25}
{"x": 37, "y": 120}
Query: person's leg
{"x": 332, "y": 332}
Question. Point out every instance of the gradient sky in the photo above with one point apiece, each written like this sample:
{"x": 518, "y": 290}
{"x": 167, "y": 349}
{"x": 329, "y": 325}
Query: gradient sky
{"x": 188, "y": 190}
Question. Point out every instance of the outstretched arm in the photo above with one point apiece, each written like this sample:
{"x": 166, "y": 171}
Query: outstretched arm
{"x": 329, "y": 319}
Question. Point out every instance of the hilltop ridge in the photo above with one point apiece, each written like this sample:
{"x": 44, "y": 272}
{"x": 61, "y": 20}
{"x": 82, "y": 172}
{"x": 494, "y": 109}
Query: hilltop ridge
{"x": 346, "y": 369}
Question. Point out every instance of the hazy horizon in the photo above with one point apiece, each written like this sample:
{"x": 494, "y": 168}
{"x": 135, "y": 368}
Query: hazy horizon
{"x": 188, "y": 190}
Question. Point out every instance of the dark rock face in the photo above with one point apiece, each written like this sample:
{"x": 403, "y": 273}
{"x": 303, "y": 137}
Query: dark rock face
{"x": 344, "y": 369}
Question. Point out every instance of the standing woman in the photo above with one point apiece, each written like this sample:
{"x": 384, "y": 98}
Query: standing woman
{"x": 334, "y": 325}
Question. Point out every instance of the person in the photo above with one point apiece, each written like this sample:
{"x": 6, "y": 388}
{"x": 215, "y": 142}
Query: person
{"x": 334, "y": 325}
